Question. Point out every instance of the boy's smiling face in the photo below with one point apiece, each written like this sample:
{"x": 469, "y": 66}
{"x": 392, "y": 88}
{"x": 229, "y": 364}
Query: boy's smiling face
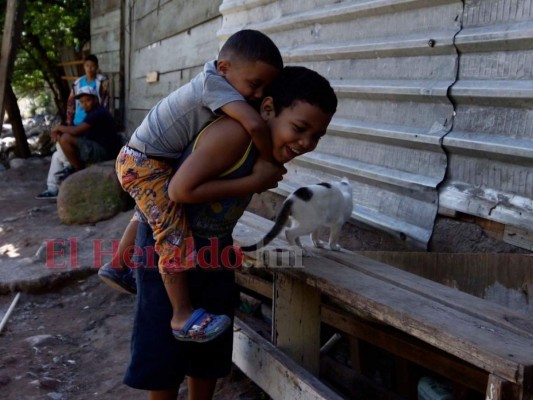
{"x": 248, "y": 78}
{"x": 296, "y": 130}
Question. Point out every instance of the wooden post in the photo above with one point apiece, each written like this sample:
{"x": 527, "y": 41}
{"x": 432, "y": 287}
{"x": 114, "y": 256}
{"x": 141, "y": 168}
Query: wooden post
{"x": 5, "y": 54}
{"x": 276, "y": 373}
{"x": 296, "y": 321}
{"x": 355, "y": 354}
{"x": 500, "y": 389}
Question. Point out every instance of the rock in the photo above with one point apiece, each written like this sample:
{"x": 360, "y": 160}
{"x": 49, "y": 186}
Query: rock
{"x": 49, "y": 383}
{"x": 17, "y": 163}
{"x": 91, "y": 195}
{"x": 37, "y": 340}
{"x": 40, "y": 254}
{"x": 55, "y": 396}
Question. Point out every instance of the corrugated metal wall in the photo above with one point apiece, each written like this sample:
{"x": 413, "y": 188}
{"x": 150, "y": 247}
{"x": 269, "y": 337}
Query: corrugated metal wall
{"x": 435, "y": 103}
{"x": 435, "y": 95}
{"x": 391, "y": 63}
{"x": 490, "y": 149}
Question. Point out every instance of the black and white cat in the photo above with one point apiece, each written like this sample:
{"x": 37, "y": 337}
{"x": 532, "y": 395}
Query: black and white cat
{"x": 309, "y": 208}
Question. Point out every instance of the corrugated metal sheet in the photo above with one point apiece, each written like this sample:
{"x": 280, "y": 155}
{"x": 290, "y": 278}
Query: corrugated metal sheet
{"x": 435, "y": 96}
{"x": 391, "y": 63}
{"x": 491, "y": 146}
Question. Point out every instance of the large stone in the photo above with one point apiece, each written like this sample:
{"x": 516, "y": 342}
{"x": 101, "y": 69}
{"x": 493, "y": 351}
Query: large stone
{"x": 91, "y": 195}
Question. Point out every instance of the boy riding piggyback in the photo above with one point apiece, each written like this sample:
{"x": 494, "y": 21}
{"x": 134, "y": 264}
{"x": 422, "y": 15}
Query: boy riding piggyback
{"x": 246, "y": 64}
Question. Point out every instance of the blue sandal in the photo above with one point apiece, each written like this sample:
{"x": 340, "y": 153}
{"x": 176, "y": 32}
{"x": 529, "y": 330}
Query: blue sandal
{"x": 202, "y": 327}
{"x": 120, "y": 279}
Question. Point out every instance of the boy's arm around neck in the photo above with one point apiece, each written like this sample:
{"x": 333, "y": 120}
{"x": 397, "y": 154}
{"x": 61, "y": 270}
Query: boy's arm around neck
{"x": 252, "y": 122}
{"x": 198, "y": 179}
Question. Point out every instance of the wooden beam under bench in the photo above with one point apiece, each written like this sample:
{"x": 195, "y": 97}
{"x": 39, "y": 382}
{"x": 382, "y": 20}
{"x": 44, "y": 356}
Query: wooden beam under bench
{"x": 492, "y": 345}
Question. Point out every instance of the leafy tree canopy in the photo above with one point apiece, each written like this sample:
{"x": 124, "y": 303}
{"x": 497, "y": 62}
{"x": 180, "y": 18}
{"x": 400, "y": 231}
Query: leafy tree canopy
{"x": 48, "y": 26}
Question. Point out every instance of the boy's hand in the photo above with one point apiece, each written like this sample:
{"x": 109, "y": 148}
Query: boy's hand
{"x": 267, "y": 174}
{"x": 55, "y": 133}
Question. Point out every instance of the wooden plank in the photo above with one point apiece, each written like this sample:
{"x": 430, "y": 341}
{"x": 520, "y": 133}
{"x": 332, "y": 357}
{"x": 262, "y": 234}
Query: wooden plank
{"x": 406, "y": 347}
{"x": 274, "y": 372}
{"x": 254, "y": 283}
{"x": 481, "y": 343}
{"x": 182, "y": 51}
{"x": 70, "y": 63}
{"x": 428, "y": 311}
{"x": 499, "y": 315}
{"x": 143, "y": 96}
{"x": 518, "y": 237}
{"x": 494, "y": 277}
{"x": 154, "y": 21}
{"x": 493, "y": 313}
{"x": 7, "y": 46}
{"x": 296, "y": 321}
{"x": 101, "y": 7}
{"x": 500, "y": 389}
{"x": 105, "y": 22}
{"x": 388, "y": 339}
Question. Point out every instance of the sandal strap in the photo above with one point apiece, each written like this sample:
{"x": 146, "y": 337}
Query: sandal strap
{"x": 196, "y": 318}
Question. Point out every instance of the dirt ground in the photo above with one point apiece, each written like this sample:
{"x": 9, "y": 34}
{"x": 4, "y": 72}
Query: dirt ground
{"x": 68, "y": 336}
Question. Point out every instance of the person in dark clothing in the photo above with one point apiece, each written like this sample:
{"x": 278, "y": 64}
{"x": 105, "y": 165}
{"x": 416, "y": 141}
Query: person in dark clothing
{"x": 94, "y": 140}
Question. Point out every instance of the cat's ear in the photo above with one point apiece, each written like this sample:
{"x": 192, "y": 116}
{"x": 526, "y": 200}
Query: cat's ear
{"x": 267, "y": 108}
{"x": 346, "y": 182}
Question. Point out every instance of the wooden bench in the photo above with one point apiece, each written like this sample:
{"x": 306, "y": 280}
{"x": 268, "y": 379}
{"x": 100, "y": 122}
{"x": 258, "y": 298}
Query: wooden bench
{"x": 479, "y": 344}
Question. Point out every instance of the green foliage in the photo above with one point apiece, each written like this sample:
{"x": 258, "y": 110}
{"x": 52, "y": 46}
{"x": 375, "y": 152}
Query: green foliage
{"x": 48, "y": 26}
{"x": 27, "y": 78}
{"x": 58, "y": 23}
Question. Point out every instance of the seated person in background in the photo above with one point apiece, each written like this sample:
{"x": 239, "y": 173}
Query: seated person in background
{"x": 59, "y": 166}
{"x": 94, "y": 140}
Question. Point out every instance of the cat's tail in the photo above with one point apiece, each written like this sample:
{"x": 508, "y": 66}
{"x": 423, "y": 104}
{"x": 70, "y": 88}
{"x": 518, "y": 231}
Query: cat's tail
{"x": 281, "y": 221}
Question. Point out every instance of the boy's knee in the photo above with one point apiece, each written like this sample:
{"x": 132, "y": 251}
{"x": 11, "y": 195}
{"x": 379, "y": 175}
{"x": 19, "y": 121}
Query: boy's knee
{"x": 66, "y": 139}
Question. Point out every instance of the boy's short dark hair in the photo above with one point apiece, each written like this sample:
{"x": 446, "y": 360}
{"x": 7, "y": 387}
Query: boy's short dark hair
{"x": 91, "y": 57}
{"x": 252, "y": 46}
{"x": 302, "y": 84}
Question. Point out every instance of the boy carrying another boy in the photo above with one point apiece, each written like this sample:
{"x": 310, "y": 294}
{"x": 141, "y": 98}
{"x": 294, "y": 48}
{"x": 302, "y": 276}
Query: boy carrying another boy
{"x": 247, "y": 62}
{"x": 215, "y": 187}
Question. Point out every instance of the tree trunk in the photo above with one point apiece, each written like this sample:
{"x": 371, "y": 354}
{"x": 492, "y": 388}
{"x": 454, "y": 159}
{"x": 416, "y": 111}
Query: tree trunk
{"x": 8, "y": 57}
{"x": 52, "y": 74}
{"x": 22, "y": 149}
